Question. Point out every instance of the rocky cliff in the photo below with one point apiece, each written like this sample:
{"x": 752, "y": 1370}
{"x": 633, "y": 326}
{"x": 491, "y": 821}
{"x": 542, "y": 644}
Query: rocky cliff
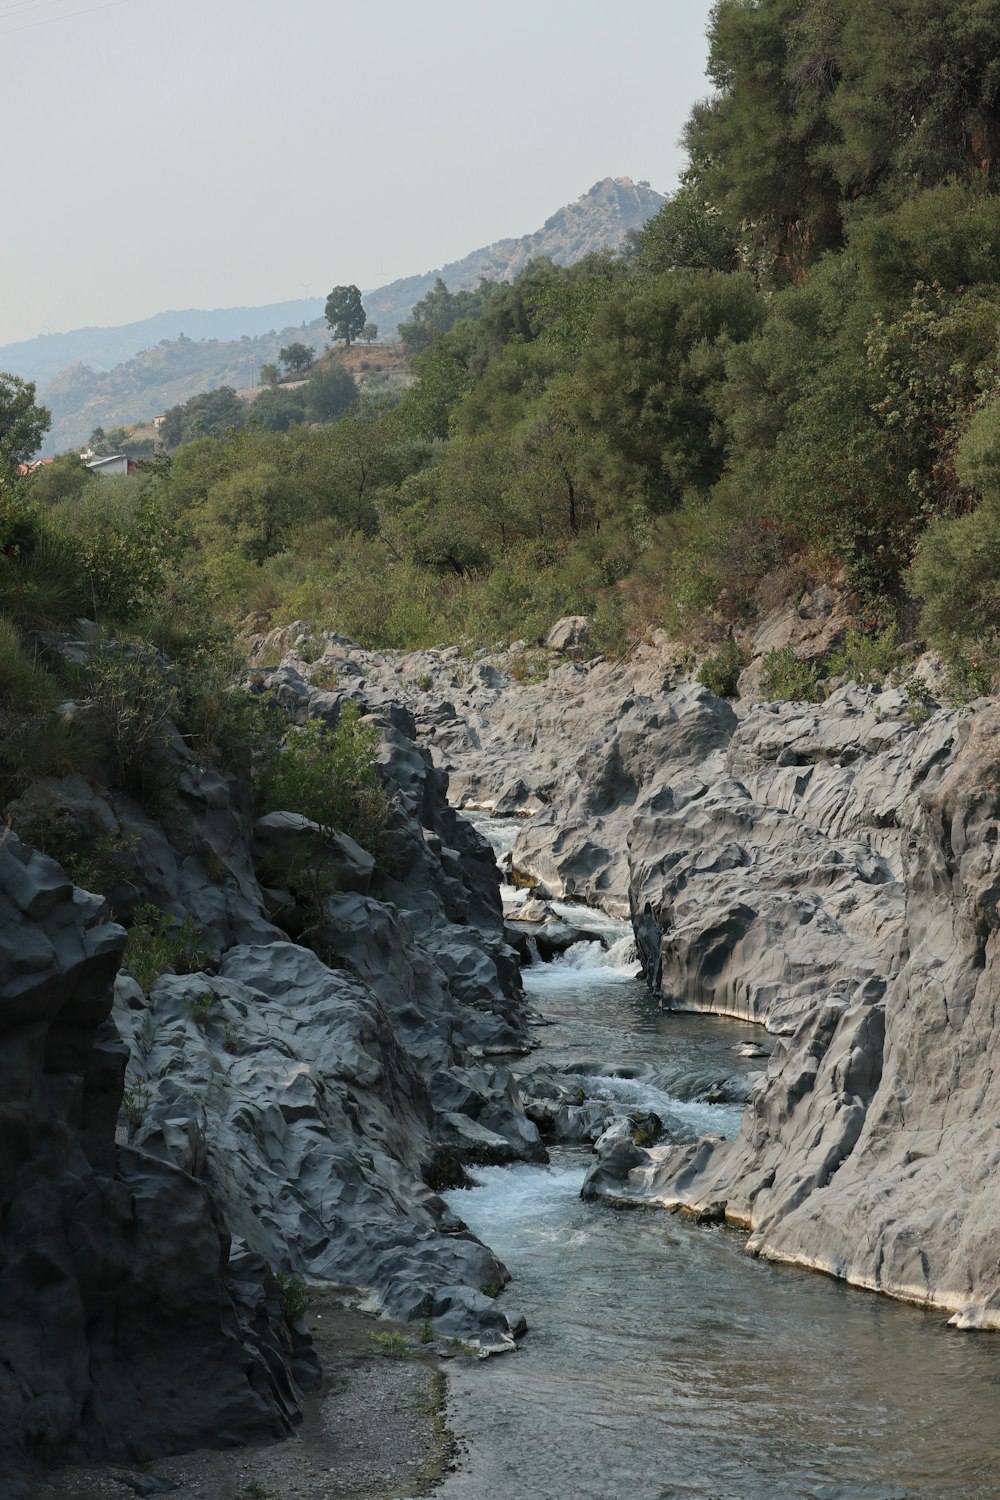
{"x": 125, "y": 1323}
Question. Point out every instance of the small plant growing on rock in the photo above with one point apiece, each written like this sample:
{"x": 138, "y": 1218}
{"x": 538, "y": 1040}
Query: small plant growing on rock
{"x": 720, "y": 673}
{"x": 866, "y": 658}
{"x": 232, "y": 1038}
{"x": 159, "y": 944}
{"x": 391, "y": 1344}
{"x": 199, "y": 1008}
{"x": 919, "y": 702}
{"x": 135, "y": 1103}
{"x": 294, "y": 1296}
{"x": 215, "y": 867}
{"x": 329, "y": 775}
{"x": 325, "y": 678}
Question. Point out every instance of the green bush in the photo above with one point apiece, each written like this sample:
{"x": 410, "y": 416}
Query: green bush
{"x": 95, "y": 861}
{"x": 328, "y": 775}
{"x": 784, "y": 677}
{"x": 957, "y": 579}
{"x": 160, "y": 944}
{"x": 866, "y": 657}
{"x": 720, "y": 673}
{"x": 39, "y": 583}
{"x": 25, "y": 686}
{"x": 294, "y": 1296}
{"x": 133, "y": 694}
{"x": 124, "y": 543}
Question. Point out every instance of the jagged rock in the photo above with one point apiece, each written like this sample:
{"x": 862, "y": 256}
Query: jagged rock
{"x": 869, "y": 1149}
{"x": 825, "y": 869}
{"x": 112, "y": 1264}
{"x": 568, "y": 634}
{"x": 292, "y": 848}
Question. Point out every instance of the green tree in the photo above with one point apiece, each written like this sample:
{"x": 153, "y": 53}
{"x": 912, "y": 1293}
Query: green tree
{"x": 275, "y": 410}
{"x": 253, "y": 509}
{"x": 688, "y": 232}
{"x": 345, "y": 313}
{"x": 650, "y": 378}
{"x": 439, "y": 310}
{"x": 62, "y": 479}
{"x": 269, "y": 375}
{"x": 297, "y": 356}
{"x": 329, "y": 393}
{"x": 370, "y": 332}
{"x": 23, "y": 423}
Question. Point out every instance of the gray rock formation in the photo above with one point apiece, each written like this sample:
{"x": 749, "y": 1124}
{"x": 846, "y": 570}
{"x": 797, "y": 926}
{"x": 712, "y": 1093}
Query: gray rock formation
{"x": 870, "y": 1148}
{"x": 115, "y": 1278}
{"x": 305, "y": 1109}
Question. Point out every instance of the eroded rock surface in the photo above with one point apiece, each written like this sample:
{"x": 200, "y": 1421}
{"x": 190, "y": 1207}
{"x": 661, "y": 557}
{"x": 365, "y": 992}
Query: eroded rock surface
{"x": 828, "y": 871}
{"x": 115, "y": 1276}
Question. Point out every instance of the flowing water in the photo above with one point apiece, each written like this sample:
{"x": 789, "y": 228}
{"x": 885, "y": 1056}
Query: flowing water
{"x": 662, "y": 1362}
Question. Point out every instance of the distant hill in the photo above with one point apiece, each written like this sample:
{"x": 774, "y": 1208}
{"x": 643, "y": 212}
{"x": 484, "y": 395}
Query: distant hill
{"x": 42, "y": 358}
{"x": 95, "y": 388}
{"x": 599, "y": 220}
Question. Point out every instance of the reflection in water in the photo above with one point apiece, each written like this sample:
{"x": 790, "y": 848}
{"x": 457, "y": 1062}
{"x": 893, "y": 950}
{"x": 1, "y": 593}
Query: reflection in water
{"x": 662, "y": 1362}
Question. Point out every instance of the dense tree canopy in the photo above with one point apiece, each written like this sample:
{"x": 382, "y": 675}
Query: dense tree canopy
{"x": 23, "y": 423}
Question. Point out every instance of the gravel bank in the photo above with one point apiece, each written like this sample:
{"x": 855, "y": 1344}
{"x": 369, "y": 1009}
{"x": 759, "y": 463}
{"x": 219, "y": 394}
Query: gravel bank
{"x": 373, "y": 1431}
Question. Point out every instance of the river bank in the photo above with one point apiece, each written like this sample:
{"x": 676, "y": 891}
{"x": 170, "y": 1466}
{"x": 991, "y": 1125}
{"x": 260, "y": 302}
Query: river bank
{"x": 374, "y": 1430}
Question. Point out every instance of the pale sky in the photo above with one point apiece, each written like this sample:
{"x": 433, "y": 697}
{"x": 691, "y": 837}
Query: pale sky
{"x": 213, "y": 153}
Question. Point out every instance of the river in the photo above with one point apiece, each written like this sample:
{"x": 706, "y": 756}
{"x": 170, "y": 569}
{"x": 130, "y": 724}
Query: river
{"x": 661, "y": 1361}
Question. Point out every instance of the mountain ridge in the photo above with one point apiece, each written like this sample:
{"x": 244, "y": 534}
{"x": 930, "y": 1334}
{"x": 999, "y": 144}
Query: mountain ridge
{"x": 86, "y": 392}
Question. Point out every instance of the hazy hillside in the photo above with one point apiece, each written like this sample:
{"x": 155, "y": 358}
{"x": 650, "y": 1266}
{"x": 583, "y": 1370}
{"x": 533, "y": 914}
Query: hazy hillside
{"x": 87, "y": 394}
{"x": 42, "y": 358}
{"x": 81, "y": 399}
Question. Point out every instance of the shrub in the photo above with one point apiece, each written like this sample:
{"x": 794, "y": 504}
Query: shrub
{"x": 720, "y": 673}
{"x": 957, "y": 579}
{"x": 123, "y": 542}
{"x": 94, "y": 861}
{"x": 294, "y": 1296}
{"x": 24, "y": 685}
{"x": 39, "y": 581}
{"x": 972, "y": 673}
{"x": 866, "y": 658}
{"x": 135, "y": 1102}
{"x": 135, "y": 699}
{"x": 784, "y": 677}
{"x": 159, "y": 944}
{"x": 391, "y": 1344}
{"x": 328, "y": 776}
